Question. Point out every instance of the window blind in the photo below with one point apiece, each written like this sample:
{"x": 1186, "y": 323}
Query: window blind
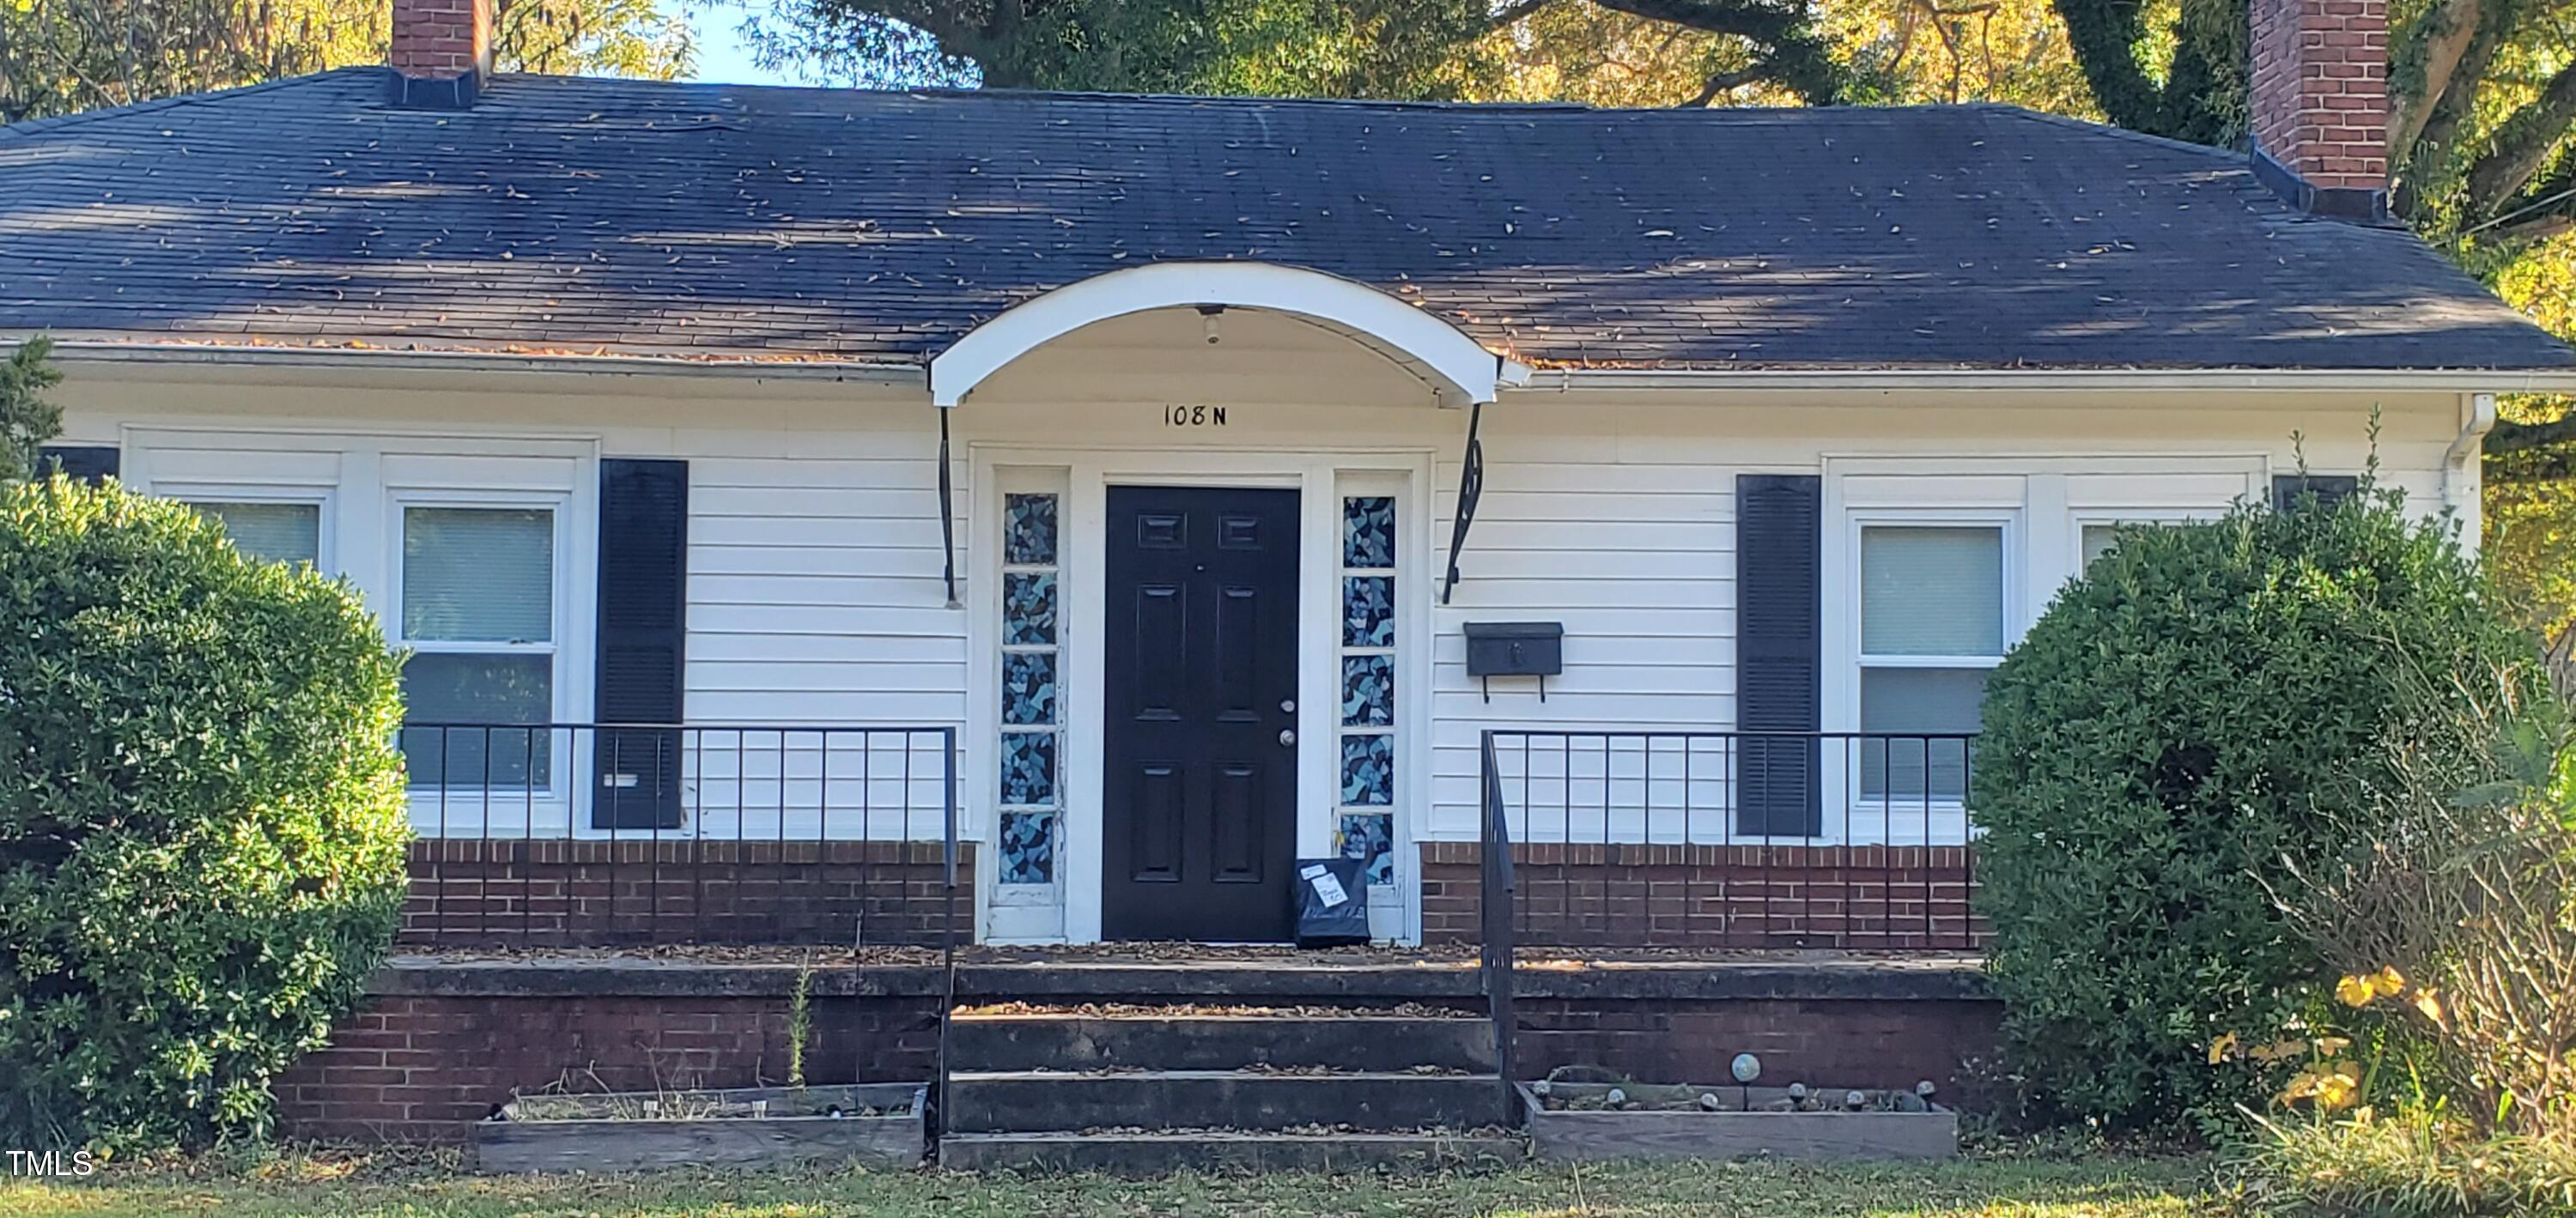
{"x": 271, "y": 532}
{"x": 1932, "y": 591}
{"x": 478, "y": 574}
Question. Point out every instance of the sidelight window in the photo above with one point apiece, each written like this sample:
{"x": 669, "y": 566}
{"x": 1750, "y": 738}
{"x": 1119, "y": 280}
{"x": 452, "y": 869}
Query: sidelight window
{"x": 1032, "y": 666}
{"x": 1366, "y": 822}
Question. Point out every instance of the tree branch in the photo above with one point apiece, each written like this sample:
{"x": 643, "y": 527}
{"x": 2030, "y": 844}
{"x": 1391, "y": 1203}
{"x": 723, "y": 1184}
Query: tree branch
{"x": 2512, "y": 437}
{"x": 1792, "y": 52}
{"x": 2522, "y": 144}
{"x": 2433, "y": 47}
{"x": 2451, "y": 110}
{"x": 1724, "y": 81}
{"x": 2104, "y": 36}
{"x": 1513, "y": 14}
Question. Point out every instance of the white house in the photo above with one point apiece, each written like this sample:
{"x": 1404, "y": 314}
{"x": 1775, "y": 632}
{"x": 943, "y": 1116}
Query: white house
{"x": 1122, "y": 439}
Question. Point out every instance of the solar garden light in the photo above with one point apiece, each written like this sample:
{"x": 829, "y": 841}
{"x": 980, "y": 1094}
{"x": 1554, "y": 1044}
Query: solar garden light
{"x": 1747, "y": 1068}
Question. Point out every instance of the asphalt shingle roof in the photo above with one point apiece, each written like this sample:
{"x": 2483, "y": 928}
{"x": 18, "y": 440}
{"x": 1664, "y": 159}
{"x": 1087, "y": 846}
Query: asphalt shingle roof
{"x": 625, "y": 216}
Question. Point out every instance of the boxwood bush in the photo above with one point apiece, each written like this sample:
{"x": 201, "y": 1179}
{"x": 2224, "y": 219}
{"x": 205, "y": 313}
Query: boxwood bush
{"x": 2206, "y": 703}
{"x": 201, "y": 819}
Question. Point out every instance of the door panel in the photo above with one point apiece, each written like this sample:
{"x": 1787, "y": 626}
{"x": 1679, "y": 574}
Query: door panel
{"x": 1157, "y": 835}
{"x": 1199, "y": 806}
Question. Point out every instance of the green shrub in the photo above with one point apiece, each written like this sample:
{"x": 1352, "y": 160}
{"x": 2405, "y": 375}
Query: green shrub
{"x": 2209, "y": 701}
{"x": 27, "y": 420}
{"x": 201, "y": 819}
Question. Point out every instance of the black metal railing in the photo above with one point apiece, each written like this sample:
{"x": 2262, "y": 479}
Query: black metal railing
{"x": 1647, "y": 839}
{"x": 588, "y": 835}
{"x": 1719, "y": 840}
{"x": 1495, "y": 943}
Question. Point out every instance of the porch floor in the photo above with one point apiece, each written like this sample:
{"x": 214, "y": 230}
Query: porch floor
{"x": 1215, "y": 973}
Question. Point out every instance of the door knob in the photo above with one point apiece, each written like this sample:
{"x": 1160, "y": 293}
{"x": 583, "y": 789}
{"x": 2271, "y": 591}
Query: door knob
{"x": 1287, "y": 736}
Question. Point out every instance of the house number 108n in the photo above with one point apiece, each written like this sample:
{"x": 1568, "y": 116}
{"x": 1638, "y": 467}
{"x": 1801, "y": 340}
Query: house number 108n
{"x": 1194, "y": 416}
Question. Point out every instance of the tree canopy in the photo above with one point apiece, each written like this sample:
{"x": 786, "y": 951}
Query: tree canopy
{"x": 1610, "y": 52}
{"x": 61, "y": 56}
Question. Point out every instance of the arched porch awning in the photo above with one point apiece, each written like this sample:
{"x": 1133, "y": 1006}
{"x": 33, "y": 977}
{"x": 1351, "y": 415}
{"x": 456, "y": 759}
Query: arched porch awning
{"x": 1459, "y": 371}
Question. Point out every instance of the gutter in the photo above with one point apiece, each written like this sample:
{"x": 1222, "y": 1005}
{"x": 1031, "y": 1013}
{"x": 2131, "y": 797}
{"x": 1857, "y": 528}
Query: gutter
{"x": 385, "y": 359}
{"x": 2456, "y": 479}
{"x": 1558, "y": 380}
{"x": 2289, "y": 380}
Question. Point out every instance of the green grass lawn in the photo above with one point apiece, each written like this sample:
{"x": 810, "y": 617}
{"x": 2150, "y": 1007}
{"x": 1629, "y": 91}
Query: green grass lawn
{"x": 2102, "y": 1186}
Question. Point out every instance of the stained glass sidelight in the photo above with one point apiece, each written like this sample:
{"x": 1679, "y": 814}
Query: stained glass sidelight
{"x": 1031, "y": 705}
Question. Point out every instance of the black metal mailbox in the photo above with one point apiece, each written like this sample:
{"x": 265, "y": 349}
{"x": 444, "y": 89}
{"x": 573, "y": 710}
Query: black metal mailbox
{"x": 1515, "y": 649}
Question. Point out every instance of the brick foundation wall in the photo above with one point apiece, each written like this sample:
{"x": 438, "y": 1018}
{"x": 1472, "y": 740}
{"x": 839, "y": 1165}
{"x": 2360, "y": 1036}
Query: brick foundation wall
{"x": 444, "y": 1041}
{"x": 595, "y": 893}
{"x": 421, "y": 1067}
{"x": 1825, "y": 1042}
{"x": 1894, "y": 898}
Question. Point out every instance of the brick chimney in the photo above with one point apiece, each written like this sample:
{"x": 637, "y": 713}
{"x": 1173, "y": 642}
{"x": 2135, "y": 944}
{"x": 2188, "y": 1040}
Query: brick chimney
{"x": 442, "y": 51}
{"x": 2319, "y": 98}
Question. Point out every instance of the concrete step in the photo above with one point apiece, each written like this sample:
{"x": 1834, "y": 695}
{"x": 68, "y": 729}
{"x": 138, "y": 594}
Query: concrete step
{"x": 1157, "y": 1154}
{"x": 1077, "y": 1042}
{"x": 1038, "y": 1101}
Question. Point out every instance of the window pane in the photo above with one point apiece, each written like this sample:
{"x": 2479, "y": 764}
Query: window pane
{"x": 478, "y": 689}
{"x": 2097, "y": 541}
{"x": 1028, "y": 530}
{"x": 1368, "y": 531}
{"x": 1932, "y": 591}
{"x": 479, "y": 574}
{"x": 1917, "y": 700}
{"x": 271, "y": 532}
{"x": 1028, "y": 847}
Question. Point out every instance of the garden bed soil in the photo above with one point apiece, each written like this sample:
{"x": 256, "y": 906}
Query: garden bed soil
{"x": 875, "y": 1124}
{"x": 1577, "y": 1121}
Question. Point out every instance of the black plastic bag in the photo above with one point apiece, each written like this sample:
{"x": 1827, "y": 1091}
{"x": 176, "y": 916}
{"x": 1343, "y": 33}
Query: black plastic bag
{"x": 1332, "y": 903}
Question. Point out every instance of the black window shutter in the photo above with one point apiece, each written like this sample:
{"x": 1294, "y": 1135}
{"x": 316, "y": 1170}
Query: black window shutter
{"x": 1779, "y": 538}
{"x": 643, "y": 633}
{"x": 89, "y": 463}
{"x": 2330, "y": 489}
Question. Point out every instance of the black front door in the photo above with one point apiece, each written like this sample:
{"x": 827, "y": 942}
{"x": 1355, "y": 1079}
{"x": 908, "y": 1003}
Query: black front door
{"x": 1199, "y": 792}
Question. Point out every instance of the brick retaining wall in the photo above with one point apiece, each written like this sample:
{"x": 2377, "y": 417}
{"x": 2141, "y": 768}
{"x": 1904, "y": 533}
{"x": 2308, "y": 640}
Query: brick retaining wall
{"x": 444, "y": 1041}
{"x": 1891, "y": 898}
{"x": 437, "y": 1049}
{"x": 1833, "y": 1043}
{"x": 595, "y": 893}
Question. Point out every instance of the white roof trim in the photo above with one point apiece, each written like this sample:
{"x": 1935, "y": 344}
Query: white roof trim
{"x": 142, "y": 352}
{"x": 2061, "y": 380}
{"x": 1459, "y": 369}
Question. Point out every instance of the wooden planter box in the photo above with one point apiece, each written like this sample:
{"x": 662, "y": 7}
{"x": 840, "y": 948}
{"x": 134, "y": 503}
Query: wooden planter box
{"x": 1731, "y": 1134}
{"x": 745, "y": 1127}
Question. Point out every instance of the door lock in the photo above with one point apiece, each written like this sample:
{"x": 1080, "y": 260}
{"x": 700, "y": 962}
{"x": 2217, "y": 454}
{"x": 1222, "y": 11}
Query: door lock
{"x": 1287, "y": 737}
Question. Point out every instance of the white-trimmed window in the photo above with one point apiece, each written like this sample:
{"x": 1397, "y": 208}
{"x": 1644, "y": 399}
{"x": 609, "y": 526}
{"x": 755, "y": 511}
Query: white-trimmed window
{"x": 269, "y": 530}
{"x": 2092, "y": 542}
{"x": 1933, "y": 625}
{"x": 2096, "y": 534}
{"x": 477, "y": 609}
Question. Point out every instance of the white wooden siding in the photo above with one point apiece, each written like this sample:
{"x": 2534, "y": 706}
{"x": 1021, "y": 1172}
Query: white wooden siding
{"x": 815, "y": 592}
